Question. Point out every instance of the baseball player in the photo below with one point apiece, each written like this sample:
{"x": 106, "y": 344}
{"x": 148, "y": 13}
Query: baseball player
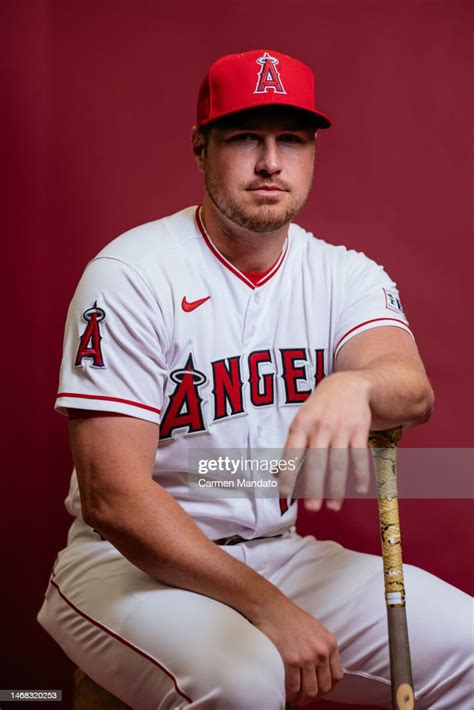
{"x": 204, "y": 339}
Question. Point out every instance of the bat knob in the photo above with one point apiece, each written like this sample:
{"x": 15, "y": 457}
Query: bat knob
{"x": 405, "y": 698}
{"x": 385, "y": 439}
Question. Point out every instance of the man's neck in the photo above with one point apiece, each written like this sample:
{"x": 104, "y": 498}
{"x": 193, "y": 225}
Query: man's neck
{"x": 245, "y": 249}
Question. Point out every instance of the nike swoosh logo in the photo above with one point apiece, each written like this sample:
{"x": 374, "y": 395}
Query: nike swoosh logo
{"x": 189, "y": 306}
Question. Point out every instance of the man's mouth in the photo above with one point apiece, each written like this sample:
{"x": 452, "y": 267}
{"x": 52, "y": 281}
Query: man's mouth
{"x": 266, "y": 188}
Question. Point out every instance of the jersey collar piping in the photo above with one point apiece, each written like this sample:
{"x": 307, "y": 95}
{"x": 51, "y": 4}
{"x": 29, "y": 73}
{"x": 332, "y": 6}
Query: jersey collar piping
{"x": 230, "y": 266}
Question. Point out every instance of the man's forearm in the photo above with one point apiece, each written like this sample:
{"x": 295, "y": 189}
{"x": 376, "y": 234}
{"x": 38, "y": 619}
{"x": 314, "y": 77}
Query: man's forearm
{"x": 386, "y": 361}
{"x": 154, "y": 533}
{"x": 399, "y": 393}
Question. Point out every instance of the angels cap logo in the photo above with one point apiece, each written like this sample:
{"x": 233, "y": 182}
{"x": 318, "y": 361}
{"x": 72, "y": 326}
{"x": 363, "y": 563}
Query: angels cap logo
{"x": 268, "y": 76}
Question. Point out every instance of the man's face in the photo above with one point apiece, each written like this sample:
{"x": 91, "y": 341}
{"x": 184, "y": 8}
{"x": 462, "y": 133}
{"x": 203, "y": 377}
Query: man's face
{"x": 258, "y": 166}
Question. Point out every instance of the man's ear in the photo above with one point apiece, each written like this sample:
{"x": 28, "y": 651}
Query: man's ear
{"x": 199, "y": 147}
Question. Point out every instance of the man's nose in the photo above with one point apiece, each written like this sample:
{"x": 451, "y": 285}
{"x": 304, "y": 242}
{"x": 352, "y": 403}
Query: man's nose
{"x": 269, "y": 159}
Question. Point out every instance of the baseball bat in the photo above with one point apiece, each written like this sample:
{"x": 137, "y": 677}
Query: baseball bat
{"x": 384, "y": 451}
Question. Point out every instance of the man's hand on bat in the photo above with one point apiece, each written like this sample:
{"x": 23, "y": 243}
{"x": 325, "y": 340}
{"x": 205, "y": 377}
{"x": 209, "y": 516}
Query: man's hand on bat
{"x": 331, "y": 431}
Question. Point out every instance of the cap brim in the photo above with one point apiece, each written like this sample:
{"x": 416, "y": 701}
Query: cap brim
{"x": 321, "y": 120}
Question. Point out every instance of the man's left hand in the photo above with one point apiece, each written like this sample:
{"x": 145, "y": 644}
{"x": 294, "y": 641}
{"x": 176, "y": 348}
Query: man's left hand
{"x": 331, "y": 428}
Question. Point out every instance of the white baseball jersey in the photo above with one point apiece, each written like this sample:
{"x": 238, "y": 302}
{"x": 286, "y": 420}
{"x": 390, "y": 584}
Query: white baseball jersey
{"x": 164, "y": 328}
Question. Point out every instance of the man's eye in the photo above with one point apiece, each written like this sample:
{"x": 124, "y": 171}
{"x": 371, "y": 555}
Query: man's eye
{"x": 243, "y": 138}
{"x": 290, "y": 138}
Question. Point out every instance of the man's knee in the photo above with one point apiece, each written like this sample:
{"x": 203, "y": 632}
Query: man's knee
{"x": 251, "y": 687}
{"x": 440, "y": 623}
{"x": 254, "y": 681}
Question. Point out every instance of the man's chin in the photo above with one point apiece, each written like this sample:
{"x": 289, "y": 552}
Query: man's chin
{"x": 263, "y": 226}
{"x": 265, "y": 217}
{"x": 259, "y": 213}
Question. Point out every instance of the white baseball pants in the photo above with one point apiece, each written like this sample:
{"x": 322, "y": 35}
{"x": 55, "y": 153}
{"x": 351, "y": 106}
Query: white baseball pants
{"x": 156, "y": 647}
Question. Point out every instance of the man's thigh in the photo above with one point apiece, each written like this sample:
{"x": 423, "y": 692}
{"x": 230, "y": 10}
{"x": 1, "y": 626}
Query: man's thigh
{"x": 155, "y": 646}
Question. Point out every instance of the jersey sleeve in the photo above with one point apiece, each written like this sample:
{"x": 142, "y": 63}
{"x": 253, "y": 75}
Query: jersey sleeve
{"x": 114, "y": 344}
{"x": 370, "y": 299}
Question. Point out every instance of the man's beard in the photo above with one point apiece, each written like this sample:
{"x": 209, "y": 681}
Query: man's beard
{"x": 261, "y": 218}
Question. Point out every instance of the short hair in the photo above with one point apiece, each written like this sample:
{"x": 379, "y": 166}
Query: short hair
{"x": 205, "y": 132}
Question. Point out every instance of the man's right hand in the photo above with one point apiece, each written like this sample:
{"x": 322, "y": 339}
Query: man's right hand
{"x": 309, "y": 651}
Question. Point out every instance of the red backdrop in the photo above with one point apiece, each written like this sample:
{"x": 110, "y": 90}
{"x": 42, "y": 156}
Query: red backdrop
{"x": 96, "y": 117}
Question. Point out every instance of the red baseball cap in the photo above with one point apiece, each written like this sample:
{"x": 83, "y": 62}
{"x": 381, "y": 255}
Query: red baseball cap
{"x": 253, "y": 79}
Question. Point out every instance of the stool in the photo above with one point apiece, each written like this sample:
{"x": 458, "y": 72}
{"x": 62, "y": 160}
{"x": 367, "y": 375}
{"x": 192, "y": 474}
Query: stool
{"x": 87, "y": 695}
